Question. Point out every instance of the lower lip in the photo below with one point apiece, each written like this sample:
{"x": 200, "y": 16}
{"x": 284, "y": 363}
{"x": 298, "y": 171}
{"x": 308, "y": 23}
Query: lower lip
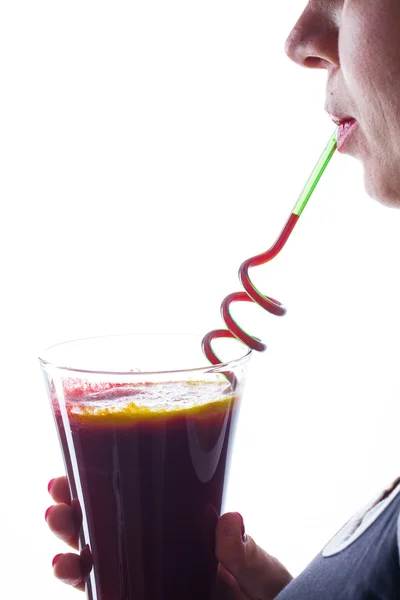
{"x": 344, "y": 133}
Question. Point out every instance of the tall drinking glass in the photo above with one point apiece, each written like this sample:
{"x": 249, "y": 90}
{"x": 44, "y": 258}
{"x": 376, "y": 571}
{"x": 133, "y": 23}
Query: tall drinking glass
{"x": 146, "y": 440}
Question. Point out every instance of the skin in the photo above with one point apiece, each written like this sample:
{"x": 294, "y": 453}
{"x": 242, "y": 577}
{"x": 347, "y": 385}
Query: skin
{"x": 357, "y": 42}
{"x": 246, "y": 571}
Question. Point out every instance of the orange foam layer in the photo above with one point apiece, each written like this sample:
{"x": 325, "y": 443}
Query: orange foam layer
{"x": 131, "y": 412}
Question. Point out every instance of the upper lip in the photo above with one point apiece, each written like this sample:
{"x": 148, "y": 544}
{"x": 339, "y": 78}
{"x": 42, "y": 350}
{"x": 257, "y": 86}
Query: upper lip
{"x": 340, "y": 119}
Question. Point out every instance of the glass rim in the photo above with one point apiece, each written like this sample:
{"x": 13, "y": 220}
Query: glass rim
{"x": 210, "y": 368}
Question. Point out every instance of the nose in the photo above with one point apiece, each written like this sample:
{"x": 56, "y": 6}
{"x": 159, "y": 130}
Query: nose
{"x": 313, "y": 41}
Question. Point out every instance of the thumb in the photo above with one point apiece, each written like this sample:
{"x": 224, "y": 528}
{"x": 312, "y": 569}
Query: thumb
{"x": 259, "y": 575}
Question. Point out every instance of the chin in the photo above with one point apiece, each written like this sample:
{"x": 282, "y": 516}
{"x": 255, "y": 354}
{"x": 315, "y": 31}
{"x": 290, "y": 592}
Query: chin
{"x": 383, "y": 187}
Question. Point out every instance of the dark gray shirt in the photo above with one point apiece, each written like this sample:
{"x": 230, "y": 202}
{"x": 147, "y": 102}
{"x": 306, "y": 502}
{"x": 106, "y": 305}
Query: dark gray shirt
{"x": 360, "y": 563}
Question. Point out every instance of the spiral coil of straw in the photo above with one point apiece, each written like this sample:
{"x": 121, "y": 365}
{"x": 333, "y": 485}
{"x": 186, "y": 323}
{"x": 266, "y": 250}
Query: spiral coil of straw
{"x": 251, "y": 294}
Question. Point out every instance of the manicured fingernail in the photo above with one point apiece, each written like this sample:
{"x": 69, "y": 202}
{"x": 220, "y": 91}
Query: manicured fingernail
{"x": 50, "y": 485}
{"x": 86, "y": 560}
{"x": 46, "y": 514}
{"x": 242, "y": 522}
{"x": 243, "y": 532}
{"x": 55, "y": 559}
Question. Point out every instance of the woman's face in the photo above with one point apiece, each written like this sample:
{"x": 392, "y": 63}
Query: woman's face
{"x": 358, "y": 43}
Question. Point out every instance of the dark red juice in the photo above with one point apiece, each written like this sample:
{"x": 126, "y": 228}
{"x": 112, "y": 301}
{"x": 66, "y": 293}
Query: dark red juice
{"x": 151, "y": 460}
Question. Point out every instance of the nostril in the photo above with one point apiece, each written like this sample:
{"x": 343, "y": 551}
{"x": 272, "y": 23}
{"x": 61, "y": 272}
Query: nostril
{"x": 313, "y": 62}
{"x": 313, "y": 41}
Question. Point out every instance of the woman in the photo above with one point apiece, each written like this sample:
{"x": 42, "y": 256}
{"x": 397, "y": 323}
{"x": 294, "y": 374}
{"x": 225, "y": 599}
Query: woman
{"x": 357, "y": 42}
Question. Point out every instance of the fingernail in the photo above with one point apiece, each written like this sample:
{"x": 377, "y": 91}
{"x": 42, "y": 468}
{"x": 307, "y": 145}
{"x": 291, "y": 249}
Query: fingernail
{"x": 50, "y": 485}
{"x": 86, "y": 560}
{"x": 46, "y": 514}
{"x": 55, "y": 559}
{"x": 243, "y": 532}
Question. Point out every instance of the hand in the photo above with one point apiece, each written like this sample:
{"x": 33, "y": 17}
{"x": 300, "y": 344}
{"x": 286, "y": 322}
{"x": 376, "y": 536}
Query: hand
{"x": 65, "y": 520}
{"x": 246, "y": 572}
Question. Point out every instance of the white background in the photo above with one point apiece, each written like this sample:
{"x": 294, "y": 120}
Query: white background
{"x": 147, "y": 149}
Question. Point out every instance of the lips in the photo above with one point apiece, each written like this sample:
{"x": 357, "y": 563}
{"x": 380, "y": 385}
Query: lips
{"x": 345, "y": 130}
{"x": 346, "y": 126}
{"x": 339, "y": 120}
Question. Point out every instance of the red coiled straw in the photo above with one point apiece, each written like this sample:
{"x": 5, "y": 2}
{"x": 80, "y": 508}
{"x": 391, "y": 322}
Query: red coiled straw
{"x": 251, "y": 294}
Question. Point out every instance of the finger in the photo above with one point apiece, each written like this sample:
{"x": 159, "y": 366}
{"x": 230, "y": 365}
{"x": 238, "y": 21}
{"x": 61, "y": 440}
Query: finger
{"x": 258, "y": 574}
{"x": 230, "y": 545}
{"x": 68, "y": 569}
{"x": 62, "y": 522}
{"x": 59, "y": 490}
{"x": 227, "y": 586}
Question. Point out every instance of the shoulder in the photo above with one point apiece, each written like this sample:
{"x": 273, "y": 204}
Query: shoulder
{"x": 381, "y": 515}
{"x": 398, "y": 533}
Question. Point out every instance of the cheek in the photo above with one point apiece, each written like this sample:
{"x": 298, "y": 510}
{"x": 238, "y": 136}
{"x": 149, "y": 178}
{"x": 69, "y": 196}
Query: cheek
{"x": 357, "y": 60}
{"x": 369, "y": 50}
{"x": 370, "y": 62}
